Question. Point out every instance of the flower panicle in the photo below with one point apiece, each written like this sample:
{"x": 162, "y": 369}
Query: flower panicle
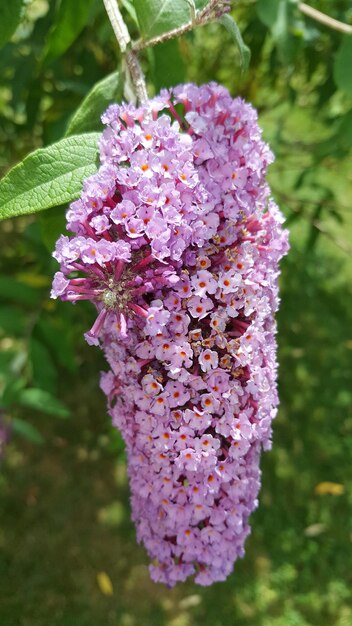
{"x": 177, "y": 243}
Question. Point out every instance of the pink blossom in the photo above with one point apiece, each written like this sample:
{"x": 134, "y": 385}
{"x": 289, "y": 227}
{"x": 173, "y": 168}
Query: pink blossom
{"x": 200, "y": 307}
{"x": 177, "y": 242}
{"x": 156, "y": 319}
{"x": 203, "y": 283}
{"x": 208, "y": 360}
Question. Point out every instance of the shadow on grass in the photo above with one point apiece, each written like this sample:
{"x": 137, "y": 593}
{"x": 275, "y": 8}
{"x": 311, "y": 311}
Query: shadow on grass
{"x": 65, "y": 506}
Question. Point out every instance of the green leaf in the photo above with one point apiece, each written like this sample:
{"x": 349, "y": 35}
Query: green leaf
{"x": 49, "y": 176}
{"x": 16, "y": 291}
{"x": 87, "y": 116}
{"x": 343, "y": 65}
{"x": 281, "y": 17}
{"x": 52, "y": 224}
{"x": 280, "y": 29}
{"x": 41, "y": 400}
{"x": 231, "y": 25}
{"x": 169, "y": 66}
{"x": 267, "y": 11}
{"x": 12, "y": 320}
{"x": 44, "y": 374}
{"x": 159, "y": 16}
{"x": 26, "y": 430}
{"x": 11, "y": 391}
{"x": 71, "y": 18}
{"x": 10, "y": 15}
{"x": 56, "y": 336}
{"x": 344, "y": 131}
{"x": 128, "y": 5}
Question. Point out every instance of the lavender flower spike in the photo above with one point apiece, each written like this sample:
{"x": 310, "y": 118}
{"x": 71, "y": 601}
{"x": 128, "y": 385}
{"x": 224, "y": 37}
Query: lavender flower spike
{"x": 177, "y": 243}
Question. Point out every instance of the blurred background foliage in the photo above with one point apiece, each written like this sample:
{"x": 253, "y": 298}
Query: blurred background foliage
{"x": 67, "y": 548}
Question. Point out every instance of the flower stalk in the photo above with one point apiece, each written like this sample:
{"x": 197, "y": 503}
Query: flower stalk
{"x": 212, "y": 11}
{"x": 324, "y": 19}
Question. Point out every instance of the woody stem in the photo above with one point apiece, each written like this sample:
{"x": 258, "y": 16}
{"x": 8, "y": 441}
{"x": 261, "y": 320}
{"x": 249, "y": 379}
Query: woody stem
{"x": 124, "y": 40}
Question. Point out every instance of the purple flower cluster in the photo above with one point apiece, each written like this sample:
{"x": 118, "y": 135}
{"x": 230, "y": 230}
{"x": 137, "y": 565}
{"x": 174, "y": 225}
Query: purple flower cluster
{"x": 177, "y": 243}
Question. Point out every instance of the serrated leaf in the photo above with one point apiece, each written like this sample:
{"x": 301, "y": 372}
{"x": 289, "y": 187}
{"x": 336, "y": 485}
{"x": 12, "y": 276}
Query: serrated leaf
{"x": 26, "y": 430}
{"x": 87, "y": 116}
{"x": 44, "y": 401}
{"x": 10, "y": 15}
{"x": 231, "y": 25}
{"x": 159, "y": 16}
{"x": 343, "y": 65}
{"x": 69, "y": 21}
{"x": 49, "y": 176}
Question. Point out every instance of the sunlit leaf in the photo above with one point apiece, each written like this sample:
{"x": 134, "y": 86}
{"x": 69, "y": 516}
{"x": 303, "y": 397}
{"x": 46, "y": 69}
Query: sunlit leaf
{"x": 267, "y": 11}
{"x": 26, "y": 430}
{"x": 34, "y": 280}
{"x": 112, "y": 515}
{"x": 159, "y": 16}
{"x": 105, "y": 584}
{"x": 343, "y": 65}
{"x": 329, "y": 488}
{"x": 49, "y": 176}
{"x": 231, "y": 25}
{"x": 43, "y": 401}
{"x": 87, "y": 116}
{"x": 281, "y": 18}
{"x": 71, "y": 18}
{"x": 128, "y": 5}
{"x": 314, "y": 530}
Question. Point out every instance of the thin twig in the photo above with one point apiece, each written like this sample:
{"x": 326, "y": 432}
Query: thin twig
{"x": 118, "y": 25}
{"x": 124, "y": 40}
{"x": 318, "y": 224}
{"x": 341, "y": 243}
{"x": 328, "y": 21}
{"x": 213, "y": 10}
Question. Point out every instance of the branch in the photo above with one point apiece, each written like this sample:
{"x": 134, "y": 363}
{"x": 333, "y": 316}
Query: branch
{"x": 124, "y": 40}
{"x": 318, "y": 16}
{"x": 318, "y": 224}
{"x": 213, "y": 10}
